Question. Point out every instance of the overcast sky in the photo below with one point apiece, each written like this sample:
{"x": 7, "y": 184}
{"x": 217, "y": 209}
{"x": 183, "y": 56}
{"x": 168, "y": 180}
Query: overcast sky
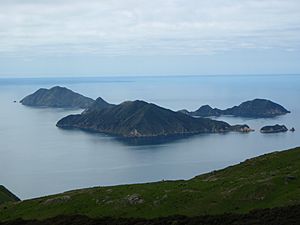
{"x": 142, "y": 37}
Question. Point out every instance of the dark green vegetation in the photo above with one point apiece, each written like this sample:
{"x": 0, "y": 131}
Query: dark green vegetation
{"x": 58, "y": 97}
{"x": 257, "y": 108}
{"x": 142, "y": 119}
{"x": 268, "y": 181}
{"x": 7, "y": 196}
{"x": 274, "y": 129}
{"x": 278, "y": 216}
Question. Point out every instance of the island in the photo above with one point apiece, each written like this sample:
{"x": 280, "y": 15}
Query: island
{"x": 257, "y": 108}
{"x": 142, "y": 119}
{"x": 274, "y": 129}
{"x": 57, "y": 97}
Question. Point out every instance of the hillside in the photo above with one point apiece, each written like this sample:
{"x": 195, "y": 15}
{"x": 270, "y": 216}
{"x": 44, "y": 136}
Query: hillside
{"x": 142, "y": 119}
{"x": 7, "y": 196}
{"x": 268, "y": 181}
{"x": 276, "y": 216}
{"x": 57, "y": 97}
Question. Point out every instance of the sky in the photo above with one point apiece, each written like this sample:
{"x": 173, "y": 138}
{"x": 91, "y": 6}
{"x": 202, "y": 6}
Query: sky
{"x": 141, "y": 37}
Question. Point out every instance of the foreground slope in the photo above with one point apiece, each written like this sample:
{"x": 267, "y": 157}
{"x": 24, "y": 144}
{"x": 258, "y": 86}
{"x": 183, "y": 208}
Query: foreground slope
{"x": 142, "y": 119}
{"x": 7, "y": 196}
{"x": 276, "y": 216}
{"x": 57, "y": 97}
{"x": 268, "y": 181}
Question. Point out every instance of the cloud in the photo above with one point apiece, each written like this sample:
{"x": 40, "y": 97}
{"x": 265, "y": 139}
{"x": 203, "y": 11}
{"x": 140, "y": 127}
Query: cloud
{"x": 143, "y": 27}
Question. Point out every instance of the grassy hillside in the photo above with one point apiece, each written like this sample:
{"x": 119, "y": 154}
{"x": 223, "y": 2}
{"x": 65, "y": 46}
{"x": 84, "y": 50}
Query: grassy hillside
{"x": 288, "y": 215}
{"x": 268, "y": 181}
{"x": 6, "y": 196}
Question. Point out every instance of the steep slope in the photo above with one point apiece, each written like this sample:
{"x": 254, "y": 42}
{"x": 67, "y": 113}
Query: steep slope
{"x": 7, "y": 196}
{"x": 58, "y": 97}
{"x": 257, "y": 108}
{"x": 268, "y": 181}
{"x": 142, "y": 119}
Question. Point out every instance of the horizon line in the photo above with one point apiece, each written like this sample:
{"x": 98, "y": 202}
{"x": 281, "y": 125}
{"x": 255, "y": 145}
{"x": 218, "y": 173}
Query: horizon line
{"x": 144, "y": 76}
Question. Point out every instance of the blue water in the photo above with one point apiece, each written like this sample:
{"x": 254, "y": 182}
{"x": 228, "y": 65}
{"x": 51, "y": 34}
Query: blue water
{"x": 37, "y": 158}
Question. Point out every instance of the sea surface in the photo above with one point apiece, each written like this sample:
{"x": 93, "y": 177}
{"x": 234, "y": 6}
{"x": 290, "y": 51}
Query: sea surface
{"x": 37, "y": 158}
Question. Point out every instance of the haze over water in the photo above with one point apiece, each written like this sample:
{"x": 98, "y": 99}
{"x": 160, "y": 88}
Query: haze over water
{"x": 37, "y": 158}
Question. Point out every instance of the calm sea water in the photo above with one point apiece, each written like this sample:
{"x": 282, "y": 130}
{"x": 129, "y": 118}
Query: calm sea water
{"x": 37, "y": 158}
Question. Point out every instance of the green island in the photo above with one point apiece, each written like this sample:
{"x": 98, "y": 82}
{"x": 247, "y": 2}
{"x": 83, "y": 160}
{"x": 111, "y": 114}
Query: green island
{"x": 267, "y": 181}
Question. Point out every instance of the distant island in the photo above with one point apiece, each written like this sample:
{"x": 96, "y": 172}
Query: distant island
{"x": 257, "y": 108}
{"x": 57, "y": 97}
{"x": 274, "y": 129}
{"x": 142, "y": 119}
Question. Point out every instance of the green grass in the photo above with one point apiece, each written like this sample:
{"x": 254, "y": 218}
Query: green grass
{"x": 6, "y": 196}
{"x": 271, "y": 180}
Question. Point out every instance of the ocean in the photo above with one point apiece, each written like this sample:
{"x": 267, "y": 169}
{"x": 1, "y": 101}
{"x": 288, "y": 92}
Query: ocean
{"x": 37, "y": 158}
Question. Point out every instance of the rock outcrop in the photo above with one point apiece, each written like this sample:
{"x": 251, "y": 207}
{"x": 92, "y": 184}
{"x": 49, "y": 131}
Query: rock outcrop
{"x": 274, "y": 129}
